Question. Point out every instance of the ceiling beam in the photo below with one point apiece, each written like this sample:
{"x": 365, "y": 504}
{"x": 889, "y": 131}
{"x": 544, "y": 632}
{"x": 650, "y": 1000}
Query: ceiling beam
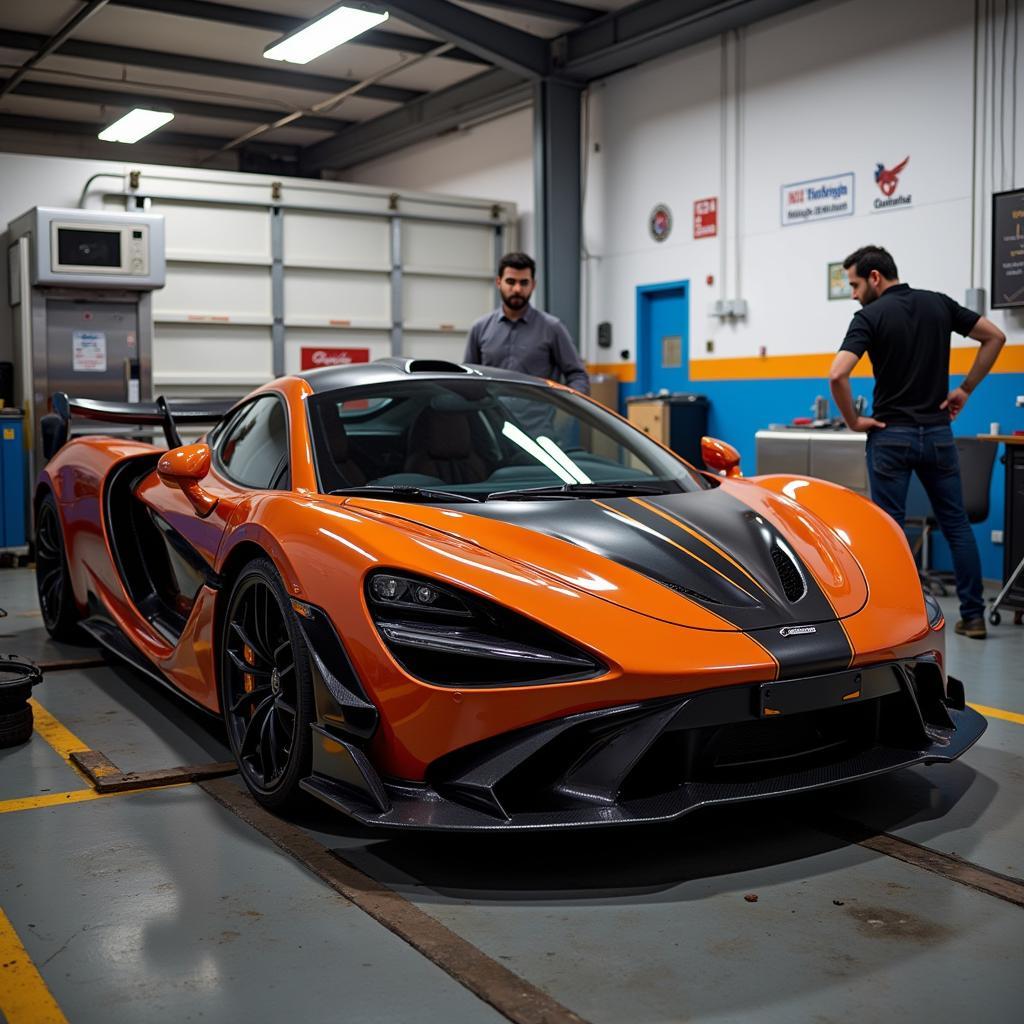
{"x": 228, "y": 14}
{"x": 202, "y": 66}
{"x": 55, "y": 127}
{"x": 51, "y": 44}
{"x": 490, "y": 94}
{"x": 554, "y": 9}
{"x": 653, "y": 28}
{"x": 127, "y": 100}
{"x": 497, "y": 43}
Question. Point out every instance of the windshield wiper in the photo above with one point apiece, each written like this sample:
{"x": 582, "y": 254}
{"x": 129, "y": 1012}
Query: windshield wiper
{"x": 595, "y": 490}
{"x": 400, "y": 492}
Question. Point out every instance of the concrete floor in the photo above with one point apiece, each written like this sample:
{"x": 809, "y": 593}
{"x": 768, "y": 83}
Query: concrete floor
{"x": 165, "y": 906}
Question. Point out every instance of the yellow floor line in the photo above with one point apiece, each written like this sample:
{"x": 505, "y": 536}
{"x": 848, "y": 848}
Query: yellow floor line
{"x": 60, "y": 738}
{"x": 74, "y": 796}
{"x": 28, "y": 803}
{"x": 1007, "y": 716}
{"x": 24, "y": 997}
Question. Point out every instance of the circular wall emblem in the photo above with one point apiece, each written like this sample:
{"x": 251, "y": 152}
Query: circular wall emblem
{"x": 660, "y": 223}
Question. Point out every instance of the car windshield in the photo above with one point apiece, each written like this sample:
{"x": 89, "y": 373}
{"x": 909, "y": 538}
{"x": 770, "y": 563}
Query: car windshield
{"x": 483, "y": 439}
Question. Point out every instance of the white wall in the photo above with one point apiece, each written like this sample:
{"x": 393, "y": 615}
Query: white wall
{"x": 493, "y": 160}
{"x": 27, "y": 181}
{"x": 829, "y": 88}
{"x": 337, "y": 281}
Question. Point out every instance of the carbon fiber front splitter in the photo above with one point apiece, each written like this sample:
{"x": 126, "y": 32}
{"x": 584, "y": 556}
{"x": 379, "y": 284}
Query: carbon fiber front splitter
{"x": 657, "y": 761}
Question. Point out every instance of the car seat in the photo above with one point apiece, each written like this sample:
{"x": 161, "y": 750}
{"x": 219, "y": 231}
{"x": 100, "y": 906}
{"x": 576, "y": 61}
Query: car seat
{"x": 337, "y": 440}
{"x": 441, "y": 445}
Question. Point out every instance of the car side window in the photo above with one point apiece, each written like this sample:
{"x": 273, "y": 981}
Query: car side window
{"x": 253, "y": 451}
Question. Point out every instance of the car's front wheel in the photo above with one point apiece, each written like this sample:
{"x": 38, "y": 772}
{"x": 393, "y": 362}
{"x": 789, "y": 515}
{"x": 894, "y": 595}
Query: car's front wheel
{"x": 265, "y": 686}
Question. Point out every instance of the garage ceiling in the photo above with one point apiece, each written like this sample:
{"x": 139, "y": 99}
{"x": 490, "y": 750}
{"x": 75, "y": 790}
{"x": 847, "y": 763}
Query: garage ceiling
{"x": 69, "y": 68}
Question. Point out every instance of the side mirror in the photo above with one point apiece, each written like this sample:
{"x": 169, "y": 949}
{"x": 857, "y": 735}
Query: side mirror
{"x": 720, "y": 457}
{"x": 183, "y": 468}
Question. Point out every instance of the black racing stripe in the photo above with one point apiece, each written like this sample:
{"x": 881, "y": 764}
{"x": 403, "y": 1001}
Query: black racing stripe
{"x": 707, "y": 552}
{"x": 610, "y": 530}
{"x": 626, "y": 532}
{"x": 748, "y": 538}
{"x": 827, "y": 649}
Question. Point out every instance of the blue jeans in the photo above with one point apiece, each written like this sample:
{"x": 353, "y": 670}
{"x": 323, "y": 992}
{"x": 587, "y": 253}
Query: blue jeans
{"x": 931, "y": 453}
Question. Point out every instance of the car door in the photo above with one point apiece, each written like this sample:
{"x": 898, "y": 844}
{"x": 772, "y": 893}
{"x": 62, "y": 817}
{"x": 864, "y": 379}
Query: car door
{"x": 249, "y": 453}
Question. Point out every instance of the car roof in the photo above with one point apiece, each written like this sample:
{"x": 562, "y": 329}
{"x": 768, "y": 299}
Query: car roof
{"x": 394, "y": 368}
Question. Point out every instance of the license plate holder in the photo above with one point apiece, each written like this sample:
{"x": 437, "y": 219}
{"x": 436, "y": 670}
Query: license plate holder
{"x": 793, "y": 696}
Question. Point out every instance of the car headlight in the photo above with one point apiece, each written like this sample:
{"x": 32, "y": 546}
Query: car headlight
{"x": 449, "y": 637}
{"x": 936, "y": 620}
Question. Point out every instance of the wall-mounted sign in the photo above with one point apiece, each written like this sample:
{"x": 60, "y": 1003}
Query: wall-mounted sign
{"x": 817, "y": 199}
{"x": 1008, "y": 249}
{"x": 89, "y": 352}
{"x": 888, "y": 181}
{"x": 838, "y": 282}
{"x": 705, "y": 218}
{"x": 314, "y": 356}
{"x": 660, "y": 222}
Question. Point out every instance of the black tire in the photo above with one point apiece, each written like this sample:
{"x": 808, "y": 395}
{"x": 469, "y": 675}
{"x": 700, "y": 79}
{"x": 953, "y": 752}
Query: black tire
{"x": 53, "y": 581}
{"x": 15, "y": 726}
{"x": 17, "y": 677}
{"x": 995, "y": 618}
{"x": 266, "y": 688}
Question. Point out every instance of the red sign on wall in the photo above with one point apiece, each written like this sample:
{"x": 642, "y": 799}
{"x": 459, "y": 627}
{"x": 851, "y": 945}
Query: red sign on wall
{"x": 705, "y": 218}
{"x": 314, "y": 357}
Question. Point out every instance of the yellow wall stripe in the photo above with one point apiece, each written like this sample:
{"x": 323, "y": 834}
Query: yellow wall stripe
{"x": 24, "y": 997}
{"x": 815, "y": 365}
{"x": 1006, "y": 716}
{"x": 626, "y": 372}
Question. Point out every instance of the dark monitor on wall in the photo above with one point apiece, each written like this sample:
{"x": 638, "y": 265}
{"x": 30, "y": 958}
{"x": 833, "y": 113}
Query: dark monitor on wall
{"x": 1008, "y": 249}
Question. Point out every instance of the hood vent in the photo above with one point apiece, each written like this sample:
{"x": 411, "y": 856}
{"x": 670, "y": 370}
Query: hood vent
{"x": 789, "y": 575}
{"x": 693, "y": 595}
{"x": 434, "y": 366}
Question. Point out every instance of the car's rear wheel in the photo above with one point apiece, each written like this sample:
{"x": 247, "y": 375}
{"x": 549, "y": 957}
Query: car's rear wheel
{"x": 53, "y": 581}
{"x": 265, "y": 687}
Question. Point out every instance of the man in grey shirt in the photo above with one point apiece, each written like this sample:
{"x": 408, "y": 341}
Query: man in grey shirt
{"x": 519, "y": 337}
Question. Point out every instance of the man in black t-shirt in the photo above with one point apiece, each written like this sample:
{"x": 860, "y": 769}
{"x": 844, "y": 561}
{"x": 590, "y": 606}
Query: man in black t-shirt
{"x": 906, "y": 333}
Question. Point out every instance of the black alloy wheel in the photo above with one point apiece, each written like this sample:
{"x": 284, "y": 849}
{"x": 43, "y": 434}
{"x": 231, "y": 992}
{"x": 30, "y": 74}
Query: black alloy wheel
{"x": 266, "y": 689}
{"x": 53, "y": 581}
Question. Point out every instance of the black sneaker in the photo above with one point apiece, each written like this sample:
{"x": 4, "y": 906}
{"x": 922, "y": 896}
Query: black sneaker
{"x": 974, "y": 628}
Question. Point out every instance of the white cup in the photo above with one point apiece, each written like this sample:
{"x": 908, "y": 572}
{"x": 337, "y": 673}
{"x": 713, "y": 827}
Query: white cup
{"x": 993, "y": 428}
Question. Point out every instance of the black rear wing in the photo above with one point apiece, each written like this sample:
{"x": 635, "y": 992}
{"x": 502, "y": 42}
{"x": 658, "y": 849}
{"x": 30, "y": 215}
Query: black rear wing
{"x": 161, "y": 413}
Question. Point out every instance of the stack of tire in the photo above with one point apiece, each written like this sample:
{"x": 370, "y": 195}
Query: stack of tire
{"x": 17, "y": 677}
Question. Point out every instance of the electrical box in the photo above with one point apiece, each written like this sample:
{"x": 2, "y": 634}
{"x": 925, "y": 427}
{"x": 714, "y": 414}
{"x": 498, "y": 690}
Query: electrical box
{"x": 12, "y": 480}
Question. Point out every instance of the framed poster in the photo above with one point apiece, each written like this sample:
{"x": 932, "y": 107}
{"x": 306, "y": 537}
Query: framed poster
{"x": 1008, "y": 249}
{"x": 838, "y": 282}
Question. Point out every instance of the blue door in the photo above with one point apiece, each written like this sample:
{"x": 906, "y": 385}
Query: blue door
{"x": 663, "y": 336}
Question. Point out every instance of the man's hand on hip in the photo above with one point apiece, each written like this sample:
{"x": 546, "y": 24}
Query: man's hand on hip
{"x": 955, "y": 401}
{"x": 865, "y": 423}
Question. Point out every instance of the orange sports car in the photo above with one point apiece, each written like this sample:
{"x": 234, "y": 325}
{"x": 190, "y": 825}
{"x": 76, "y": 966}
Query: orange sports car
{"x": 452, "y": 597}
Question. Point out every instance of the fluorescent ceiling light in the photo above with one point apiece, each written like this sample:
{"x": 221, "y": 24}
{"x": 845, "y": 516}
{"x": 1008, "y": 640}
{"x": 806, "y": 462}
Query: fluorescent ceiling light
{"x": 332, "y": 29}
{"x": 135, "y": 125}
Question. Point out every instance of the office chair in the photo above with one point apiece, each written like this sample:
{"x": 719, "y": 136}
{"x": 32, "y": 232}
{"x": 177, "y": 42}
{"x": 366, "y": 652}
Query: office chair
{"x": 977, "y": 457}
